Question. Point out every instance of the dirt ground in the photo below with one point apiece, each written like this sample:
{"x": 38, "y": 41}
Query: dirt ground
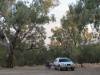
{"x": 90, "y": 69}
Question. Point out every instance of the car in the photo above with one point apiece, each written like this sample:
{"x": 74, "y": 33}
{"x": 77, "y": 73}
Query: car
{"x": 63, "y": 63}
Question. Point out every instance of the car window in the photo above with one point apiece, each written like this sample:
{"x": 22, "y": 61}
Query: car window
{"x": 64, "y": 60}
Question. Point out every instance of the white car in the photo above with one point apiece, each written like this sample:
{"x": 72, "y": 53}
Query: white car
{"x": 63, "y": 63}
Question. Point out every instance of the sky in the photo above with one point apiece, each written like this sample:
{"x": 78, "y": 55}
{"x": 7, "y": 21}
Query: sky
{"x": 59, "y": 12}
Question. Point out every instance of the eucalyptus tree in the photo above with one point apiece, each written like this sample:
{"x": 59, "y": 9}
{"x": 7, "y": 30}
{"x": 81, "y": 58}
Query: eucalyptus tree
{"x": 21, "y": 25}
{"x": 84, "y": 12}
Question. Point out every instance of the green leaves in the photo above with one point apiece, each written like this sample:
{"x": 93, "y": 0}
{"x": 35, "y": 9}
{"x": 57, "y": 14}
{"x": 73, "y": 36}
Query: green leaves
{"x": 93, "y": 8}
{"x": 23, "y": 25}
{"x": 21, "y": 15}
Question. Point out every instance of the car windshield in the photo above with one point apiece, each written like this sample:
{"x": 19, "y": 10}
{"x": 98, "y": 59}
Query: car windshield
{"x": 64, "y": 60}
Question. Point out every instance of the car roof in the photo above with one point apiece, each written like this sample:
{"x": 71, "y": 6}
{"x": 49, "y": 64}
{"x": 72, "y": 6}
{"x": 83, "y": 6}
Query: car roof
{"x": 62, "y": 58}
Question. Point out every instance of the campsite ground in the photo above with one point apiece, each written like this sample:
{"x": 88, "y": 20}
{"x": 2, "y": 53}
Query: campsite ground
{"x": 90, "y": 69}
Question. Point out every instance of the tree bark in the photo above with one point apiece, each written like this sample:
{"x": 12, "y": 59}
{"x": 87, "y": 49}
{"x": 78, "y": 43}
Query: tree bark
{"x": 11, "y": 48}
{"x": 10, "y": 57}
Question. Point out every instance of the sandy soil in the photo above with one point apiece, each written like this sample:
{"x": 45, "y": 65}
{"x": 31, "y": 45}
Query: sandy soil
{"x": 89, "y": 69}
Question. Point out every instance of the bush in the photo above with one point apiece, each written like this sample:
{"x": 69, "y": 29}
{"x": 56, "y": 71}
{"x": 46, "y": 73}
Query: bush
{"x": 89, "y": 54}
{"x": 2, "y": 56}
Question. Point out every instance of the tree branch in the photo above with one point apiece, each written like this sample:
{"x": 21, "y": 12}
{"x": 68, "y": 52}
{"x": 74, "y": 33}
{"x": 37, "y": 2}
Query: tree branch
{"x": 26, "y": 33}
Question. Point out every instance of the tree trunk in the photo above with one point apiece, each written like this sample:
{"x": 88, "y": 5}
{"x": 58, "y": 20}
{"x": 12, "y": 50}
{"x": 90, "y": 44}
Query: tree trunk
{"x": 10, "y": 57}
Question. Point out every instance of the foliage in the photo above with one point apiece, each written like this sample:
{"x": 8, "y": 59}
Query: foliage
{"x": 90, "y": 54}
{"x": 22, "y": 32}
{"x": 31, "y": 57}
{"x": 84, "y": 12}
{"x": 21, "y": 28}
{"x": 2, "y": 56}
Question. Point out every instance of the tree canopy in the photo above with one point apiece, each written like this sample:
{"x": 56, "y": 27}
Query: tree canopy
{"x": 73, "y": 28}
{"x": 21, "y": 25}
